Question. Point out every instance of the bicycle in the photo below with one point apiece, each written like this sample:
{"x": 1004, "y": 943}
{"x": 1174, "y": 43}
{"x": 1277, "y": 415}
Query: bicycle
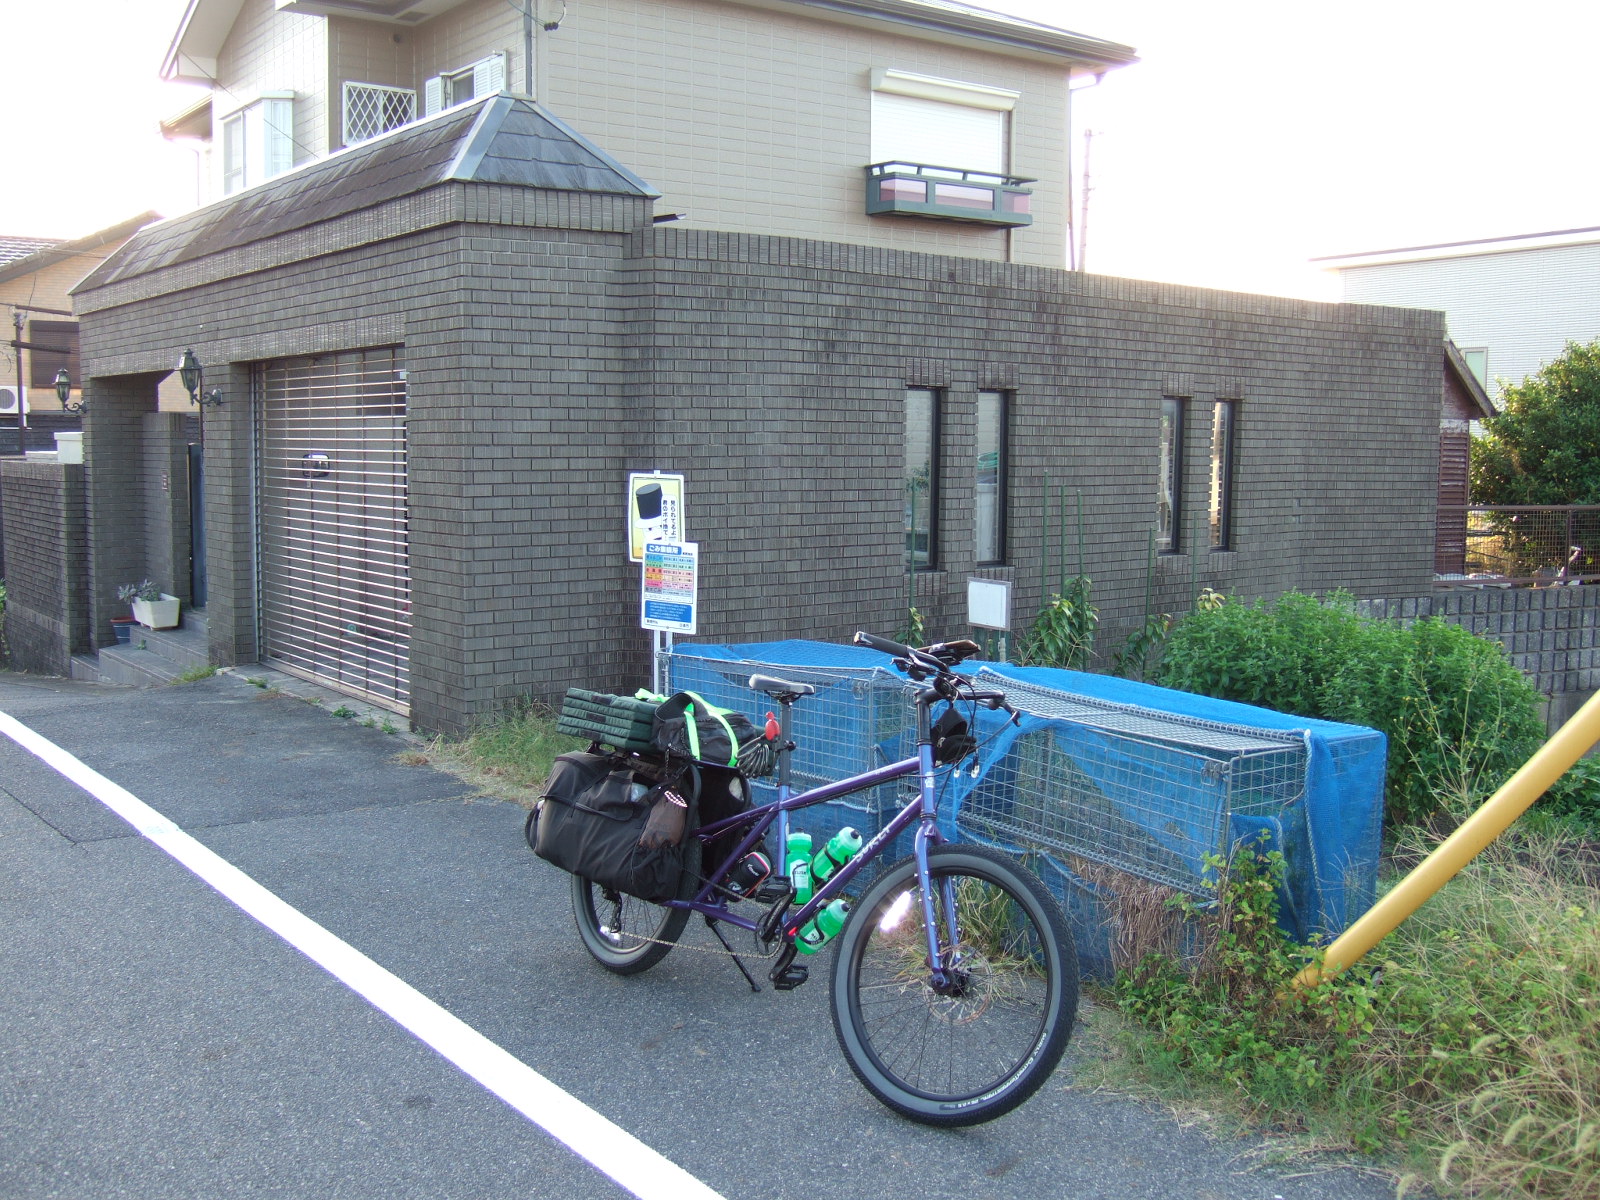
{"x": 954, "y": 983}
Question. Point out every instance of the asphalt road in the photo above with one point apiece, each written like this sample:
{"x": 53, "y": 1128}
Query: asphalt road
{"x": 157, "y": 1041}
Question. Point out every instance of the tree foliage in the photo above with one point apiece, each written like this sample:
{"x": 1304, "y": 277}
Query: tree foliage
{"x": 1544, "y": 447}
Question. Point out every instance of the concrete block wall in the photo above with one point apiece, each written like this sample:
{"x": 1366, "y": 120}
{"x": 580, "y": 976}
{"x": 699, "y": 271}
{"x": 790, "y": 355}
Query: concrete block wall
{"x": 1551, "y": 634}
{"x": 46, "y": 617}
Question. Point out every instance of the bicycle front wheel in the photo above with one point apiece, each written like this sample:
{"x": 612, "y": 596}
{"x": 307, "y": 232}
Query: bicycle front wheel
{"x": 976, "y": 1046}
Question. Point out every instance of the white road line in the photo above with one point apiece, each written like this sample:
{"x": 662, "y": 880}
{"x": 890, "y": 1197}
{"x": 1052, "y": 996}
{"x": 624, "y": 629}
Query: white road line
{"x": 610, "y": 1149}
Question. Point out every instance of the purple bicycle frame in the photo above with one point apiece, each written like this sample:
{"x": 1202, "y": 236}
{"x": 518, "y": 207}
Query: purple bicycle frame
{"x": 760, "y": 819}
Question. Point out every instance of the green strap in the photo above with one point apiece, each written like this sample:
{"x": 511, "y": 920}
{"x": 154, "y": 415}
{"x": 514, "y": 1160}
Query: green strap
{"x": 711, "y": 710}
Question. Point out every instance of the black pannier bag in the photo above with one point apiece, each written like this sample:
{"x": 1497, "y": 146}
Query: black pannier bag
{"x": 721, "y": 792}
{"x": 691, "y": 727}
{"x": 596, "y": 820}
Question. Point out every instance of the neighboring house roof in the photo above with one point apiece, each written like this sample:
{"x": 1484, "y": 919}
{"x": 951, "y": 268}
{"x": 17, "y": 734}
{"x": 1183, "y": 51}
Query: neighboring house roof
{"x": 13, "y": 248}
{"x": 1470, "y": 387}
{"x": 49, "y": 252}
{"x": 192, "y": 56}
{"x": 500, "y": 139}
{"x": 1501, "y": 245}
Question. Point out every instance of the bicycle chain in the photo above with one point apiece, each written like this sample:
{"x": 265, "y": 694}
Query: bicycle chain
{"x": 717, "y": 950}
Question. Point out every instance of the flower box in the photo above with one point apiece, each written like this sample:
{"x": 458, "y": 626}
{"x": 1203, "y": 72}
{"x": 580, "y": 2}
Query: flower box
{"x": 157, "y": 614}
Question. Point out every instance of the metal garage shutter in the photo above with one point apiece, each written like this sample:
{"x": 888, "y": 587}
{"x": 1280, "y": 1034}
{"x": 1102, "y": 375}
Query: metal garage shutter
{"x": 335, "y": 580}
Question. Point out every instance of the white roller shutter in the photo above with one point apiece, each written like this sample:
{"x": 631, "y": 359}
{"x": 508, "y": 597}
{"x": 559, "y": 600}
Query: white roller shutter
{"x": 334, "y": 563}
{"x": 912, "y": 129}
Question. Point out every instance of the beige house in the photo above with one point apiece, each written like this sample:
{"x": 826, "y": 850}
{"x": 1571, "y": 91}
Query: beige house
{"x": 41, "y": 328}
{"x": 748, "y": 116}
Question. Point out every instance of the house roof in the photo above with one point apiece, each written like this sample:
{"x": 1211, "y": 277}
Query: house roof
{"x": 1474, "y": 391}
{"x": 48, "y": 251}
{"x": 192, "y": 56}
{"x": 1584, "y": 236}
{"x": 13, "y": 248}
{"x": 501, "y": 139}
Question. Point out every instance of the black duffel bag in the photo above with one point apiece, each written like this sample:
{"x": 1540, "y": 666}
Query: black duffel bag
{"x": 598, "y": 821}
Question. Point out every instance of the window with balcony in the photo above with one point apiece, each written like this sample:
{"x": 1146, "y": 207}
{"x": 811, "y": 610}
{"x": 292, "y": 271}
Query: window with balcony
{"x": 482, "y": 78}
{"x": 257, "y": 142}
{"x": 939, "y": 149}
{"x": 374, "y": 108}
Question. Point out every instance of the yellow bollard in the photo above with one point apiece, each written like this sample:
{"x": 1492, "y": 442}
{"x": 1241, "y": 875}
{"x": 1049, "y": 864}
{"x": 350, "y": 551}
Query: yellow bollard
{"x": 1531, "y": 781}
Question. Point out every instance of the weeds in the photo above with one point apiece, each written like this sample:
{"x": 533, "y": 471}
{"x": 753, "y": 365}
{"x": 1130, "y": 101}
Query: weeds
{"x": 508, "y": 756}
{"x": 1063, "y": 632}
{"x": 1468, "y": 1044}
{"x": 194, "y": 674}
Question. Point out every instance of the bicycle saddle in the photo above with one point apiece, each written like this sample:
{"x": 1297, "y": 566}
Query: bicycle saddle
{"x": 779, "y": 688}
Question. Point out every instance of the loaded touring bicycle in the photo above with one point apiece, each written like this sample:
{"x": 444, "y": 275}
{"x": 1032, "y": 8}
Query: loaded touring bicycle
{"x": 953, "y": 980}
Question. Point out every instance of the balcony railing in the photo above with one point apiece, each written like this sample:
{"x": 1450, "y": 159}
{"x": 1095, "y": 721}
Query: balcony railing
{"x": 948, "y": 194}
{"x": 1518, "y": 545}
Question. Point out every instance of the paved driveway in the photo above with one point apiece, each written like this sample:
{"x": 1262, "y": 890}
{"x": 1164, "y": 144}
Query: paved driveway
{"x": 158, "y": 1041}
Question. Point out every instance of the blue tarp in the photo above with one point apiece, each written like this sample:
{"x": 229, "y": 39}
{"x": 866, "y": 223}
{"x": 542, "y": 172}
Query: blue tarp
{"x": 1329, "y": 832}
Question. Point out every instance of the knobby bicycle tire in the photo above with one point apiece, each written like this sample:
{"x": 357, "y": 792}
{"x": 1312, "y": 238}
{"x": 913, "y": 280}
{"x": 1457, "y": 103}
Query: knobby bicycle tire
{"x": 624, "y": 934}
{"x": 992, "y": 1039}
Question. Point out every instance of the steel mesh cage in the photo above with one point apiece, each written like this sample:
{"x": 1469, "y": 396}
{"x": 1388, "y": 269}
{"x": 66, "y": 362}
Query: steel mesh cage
{"x": 1149, "y": 793}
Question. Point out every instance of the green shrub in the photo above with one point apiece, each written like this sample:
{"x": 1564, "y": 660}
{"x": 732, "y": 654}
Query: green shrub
{"x": 1459, "y": 717}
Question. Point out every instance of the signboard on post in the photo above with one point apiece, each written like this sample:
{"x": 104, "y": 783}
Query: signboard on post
{"x": 668, "y": 598}
{"x": 989, "y": 603}
{"x": 655, "y": 511}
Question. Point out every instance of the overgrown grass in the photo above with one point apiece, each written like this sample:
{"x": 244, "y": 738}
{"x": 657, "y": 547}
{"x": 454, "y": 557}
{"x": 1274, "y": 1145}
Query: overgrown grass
{"x": 509, "y": 756}
{"x": 1465, "y": 1050}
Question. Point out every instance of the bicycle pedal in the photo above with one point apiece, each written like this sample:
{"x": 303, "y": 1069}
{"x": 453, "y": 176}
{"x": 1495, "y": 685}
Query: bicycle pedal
{"x": 789, "y": 978}
{"x": 771, "y": 890}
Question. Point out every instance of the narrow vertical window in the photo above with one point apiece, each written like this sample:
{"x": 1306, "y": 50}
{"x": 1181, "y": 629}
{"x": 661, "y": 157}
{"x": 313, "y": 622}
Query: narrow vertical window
{"x": 233, "y": 154}
{"x": 1169, "y": 477}
{"x": 922, "y": 476}
{"x": 990, "y": 516}
{"x": 1222, "y": 419}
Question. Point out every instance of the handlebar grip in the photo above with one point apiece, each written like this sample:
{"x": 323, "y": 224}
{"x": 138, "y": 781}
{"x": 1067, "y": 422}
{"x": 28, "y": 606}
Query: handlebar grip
{"x": 883, "y": 645}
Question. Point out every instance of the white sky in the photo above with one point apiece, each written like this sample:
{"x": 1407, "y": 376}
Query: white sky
{"x": 1252, "y": 136}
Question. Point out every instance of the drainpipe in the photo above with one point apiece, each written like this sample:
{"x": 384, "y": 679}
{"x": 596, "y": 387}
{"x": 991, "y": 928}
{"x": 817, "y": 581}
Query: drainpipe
{"x": 1515, "y": 796}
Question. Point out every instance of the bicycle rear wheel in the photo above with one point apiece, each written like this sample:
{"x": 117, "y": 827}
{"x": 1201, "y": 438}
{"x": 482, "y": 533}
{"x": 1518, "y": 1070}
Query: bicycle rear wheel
{"x": 978, "y": 1047}
{"x": 624, "y": 934}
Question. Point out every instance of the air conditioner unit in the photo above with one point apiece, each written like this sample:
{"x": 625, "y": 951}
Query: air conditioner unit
{"x": 8, "y": 400}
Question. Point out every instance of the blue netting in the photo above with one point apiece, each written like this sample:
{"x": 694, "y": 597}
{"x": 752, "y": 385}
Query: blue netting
{"x": 1100, "y": 770}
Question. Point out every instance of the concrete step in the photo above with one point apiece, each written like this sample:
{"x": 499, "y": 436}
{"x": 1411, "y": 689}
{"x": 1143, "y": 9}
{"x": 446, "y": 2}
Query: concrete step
{"x": 151, "y": 657}
{"x": 136, "y": 666}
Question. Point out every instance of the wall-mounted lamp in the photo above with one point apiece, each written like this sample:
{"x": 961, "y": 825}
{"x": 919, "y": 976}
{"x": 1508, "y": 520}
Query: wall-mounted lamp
{"x": 64, "y": 393}
{"x": 192, "y": 375}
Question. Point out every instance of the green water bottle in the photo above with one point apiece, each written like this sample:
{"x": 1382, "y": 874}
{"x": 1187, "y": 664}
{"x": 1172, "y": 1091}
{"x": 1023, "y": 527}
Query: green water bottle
{"x": 841, "y": 848}
{"x": 797, "y": 865}
{"x": 814, "y": 934}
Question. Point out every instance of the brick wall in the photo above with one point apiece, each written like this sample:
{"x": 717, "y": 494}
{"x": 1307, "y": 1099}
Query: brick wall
{"x": 555, "y": 342}
{"x": 46, "y": 611}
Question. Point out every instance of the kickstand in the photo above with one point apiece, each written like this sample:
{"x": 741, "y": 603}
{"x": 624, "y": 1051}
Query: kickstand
{"x": 754, "y": 986}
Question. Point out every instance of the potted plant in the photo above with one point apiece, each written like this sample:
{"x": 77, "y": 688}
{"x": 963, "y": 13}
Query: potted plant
{"x": 152, "y": 607}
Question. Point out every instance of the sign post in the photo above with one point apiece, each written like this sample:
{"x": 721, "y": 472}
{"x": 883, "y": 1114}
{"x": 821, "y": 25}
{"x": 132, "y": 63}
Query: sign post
{"x": 989, "y": 607}
{"x": 655, "y": 515}
{"x": 655, "y": 510}
{"x": 668, "y": 595}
